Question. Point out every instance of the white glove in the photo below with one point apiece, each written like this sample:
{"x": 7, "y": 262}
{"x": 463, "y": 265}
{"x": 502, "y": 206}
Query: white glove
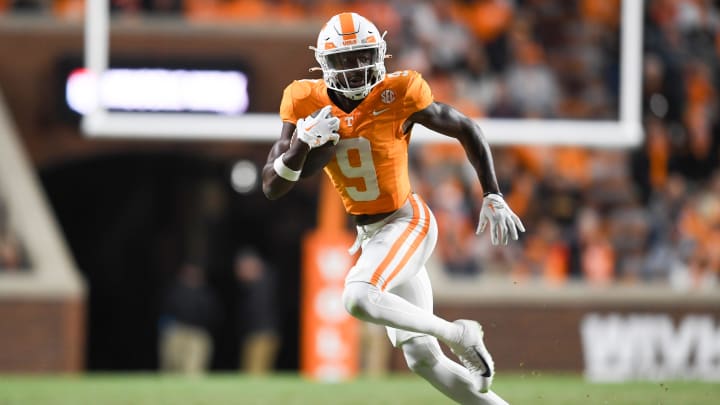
{"x": 503, "y": 221}
{"x": 318, "y": 130}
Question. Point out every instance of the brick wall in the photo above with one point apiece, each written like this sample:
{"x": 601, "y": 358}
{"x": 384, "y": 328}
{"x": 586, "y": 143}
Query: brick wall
{"x": 40, "y": 335}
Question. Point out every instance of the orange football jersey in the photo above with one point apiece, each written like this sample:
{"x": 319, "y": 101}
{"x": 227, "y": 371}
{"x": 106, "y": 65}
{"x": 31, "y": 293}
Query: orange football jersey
{"x": 370, "y": 167}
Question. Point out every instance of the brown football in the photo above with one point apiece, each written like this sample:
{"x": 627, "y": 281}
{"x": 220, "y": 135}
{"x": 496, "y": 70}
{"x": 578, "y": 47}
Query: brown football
{"x": 317, "y": 158}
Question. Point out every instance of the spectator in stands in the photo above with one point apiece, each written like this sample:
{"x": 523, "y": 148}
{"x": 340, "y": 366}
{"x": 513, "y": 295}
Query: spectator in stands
{"x": 699, "y": 226}
{"x": 446, "y": 42}
{"x": 147, "y": 6}
{"x": 665, "y": 255}
{"x": 592, "y": 253}
{"x": 127, "y": 7}
{"x": 651, "y": 164}
{"x": 69, "y": 9}
{"x": 663, "y": 39}
{"x": 700, "y": 152}
{"x": 532, "y": 85}
{"x": 629, "y": 233}
{"x": 546, "y": 256}
{"x": 477, "y": 83}
{"x": 31, "y": 6}
{"x": 223, "y": 10}
{"x": 164, "y": 6}
{"x": 561, "y": 195}
{"x": 455, "y": 218}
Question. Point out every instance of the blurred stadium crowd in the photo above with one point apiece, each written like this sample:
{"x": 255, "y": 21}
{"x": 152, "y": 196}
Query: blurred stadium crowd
{"x": 604, "y": 215}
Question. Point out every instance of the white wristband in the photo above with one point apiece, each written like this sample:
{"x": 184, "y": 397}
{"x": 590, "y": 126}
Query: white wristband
{"x": 284, "y": 171}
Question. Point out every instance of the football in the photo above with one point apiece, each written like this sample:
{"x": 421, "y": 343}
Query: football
{"x": 317, "y": 158}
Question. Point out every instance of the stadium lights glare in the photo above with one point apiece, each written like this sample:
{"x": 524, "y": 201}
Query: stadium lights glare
{"x": 624, "y": 132}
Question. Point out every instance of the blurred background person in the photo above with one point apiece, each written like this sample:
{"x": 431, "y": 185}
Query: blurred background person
{"x": 189, "y": 313}
{"x": 256, "y": 312}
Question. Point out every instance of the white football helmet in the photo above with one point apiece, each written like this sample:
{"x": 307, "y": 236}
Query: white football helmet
{"x": 351, "y": 54}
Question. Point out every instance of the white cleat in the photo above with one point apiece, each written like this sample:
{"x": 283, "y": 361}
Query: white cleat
{"x": 474, "y": 355}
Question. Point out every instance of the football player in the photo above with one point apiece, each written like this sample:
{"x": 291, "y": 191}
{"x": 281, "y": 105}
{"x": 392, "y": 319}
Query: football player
{"x": 368, "y": 115}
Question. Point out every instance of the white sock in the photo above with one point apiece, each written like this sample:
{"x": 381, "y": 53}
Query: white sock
{"x": 425, "y": 358}
{"x": 366, "y": 302}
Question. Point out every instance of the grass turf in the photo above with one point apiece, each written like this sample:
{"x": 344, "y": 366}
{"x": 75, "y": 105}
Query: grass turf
{"x": 288, "y": 389}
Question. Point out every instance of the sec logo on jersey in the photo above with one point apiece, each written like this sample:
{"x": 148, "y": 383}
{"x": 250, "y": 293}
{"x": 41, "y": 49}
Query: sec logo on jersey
{"x": 387, "y": 96}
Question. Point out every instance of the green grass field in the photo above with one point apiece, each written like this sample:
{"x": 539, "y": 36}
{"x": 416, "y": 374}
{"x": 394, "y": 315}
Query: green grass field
{"x": 402, "y": 389}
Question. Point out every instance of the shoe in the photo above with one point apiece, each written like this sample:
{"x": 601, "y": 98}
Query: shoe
{"x": 474, "y": 355}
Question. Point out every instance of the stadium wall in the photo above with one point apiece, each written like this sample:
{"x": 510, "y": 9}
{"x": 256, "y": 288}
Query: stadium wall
{"x": 41, "y": 335}
{"x": 548, "y": 336}
{"x": 645, "y": 332}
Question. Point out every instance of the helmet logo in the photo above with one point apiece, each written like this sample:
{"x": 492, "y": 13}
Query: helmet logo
{"x": 387, "y": 96}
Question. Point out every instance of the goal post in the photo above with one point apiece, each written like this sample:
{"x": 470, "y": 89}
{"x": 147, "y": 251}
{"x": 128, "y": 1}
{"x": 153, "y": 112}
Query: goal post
{"x": 625, "y": 131}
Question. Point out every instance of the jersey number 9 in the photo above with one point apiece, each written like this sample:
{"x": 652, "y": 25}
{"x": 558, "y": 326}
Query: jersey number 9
{"x": 366, "y": 169}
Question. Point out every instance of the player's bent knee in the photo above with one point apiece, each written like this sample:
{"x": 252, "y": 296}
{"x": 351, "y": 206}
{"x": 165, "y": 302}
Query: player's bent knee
{"x": 419, "y": 354}
{"x": 358, "y": 299}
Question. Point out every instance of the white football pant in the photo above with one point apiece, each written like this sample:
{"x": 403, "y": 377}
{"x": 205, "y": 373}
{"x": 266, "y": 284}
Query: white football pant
{"x": 389, "y": 285}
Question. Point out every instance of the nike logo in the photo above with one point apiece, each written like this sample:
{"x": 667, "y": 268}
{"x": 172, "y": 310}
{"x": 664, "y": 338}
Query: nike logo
{"x": 378, "y": 112}
{"x": 487, "y": 373}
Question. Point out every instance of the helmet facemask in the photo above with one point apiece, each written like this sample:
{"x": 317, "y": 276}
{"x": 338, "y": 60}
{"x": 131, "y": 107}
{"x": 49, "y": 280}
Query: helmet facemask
{"x": 353, "y": 73}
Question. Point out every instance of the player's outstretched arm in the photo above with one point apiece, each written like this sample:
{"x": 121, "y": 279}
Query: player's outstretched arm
{"x": 284, "y": 164}
{"x": 447, "y": 120}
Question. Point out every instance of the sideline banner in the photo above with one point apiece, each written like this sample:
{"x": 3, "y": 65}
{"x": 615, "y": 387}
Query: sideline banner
{"x": 607, "y": 339}
{"x": 650, "y": 346}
